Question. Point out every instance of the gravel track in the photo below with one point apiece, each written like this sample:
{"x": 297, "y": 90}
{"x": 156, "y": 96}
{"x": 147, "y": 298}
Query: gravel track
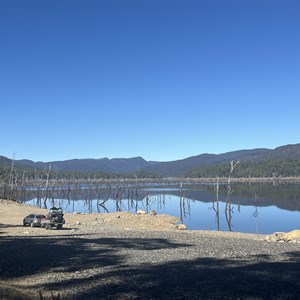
{"x": 152, "y": 265}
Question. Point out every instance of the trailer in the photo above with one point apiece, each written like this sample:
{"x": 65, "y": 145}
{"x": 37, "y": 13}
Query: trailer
{"x": 54, "y": 219}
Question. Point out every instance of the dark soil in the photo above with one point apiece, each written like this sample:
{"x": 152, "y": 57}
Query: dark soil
{"x": 120, "y": 264}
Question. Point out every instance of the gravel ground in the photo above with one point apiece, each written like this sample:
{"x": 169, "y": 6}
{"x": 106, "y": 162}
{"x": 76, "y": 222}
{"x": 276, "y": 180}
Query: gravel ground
{"x": 114, "y": 263}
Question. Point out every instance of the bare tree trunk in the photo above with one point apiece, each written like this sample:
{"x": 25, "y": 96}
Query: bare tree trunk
{"x": 47, "y": 187}
{"x": 228, "y": 208}
{"x": 217, "y": 210}
{"x": 23, "y": 190}
{"x": 11, "y": 179}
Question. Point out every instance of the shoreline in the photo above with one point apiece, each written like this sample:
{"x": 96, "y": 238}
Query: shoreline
{"x": 97, "y": 222}
{"x": 76, "y": 223}
{"x": 124, "y": 259}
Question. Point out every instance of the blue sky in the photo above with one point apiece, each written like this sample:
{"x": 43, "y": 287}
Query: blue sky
{"x": 163, "y": 80}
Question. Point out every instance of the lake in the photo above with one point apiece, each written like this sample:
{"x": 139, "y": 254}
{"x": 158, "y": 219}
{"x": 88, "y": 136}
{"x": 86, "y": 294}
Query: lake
{"x": 251, "y": 208}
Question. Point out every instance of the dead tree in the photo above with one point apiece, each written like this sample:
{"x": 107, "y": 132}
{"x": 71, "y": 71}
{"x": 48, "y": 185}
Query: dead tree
{"x": 47, "y": 187}
{"x": 11, "y": 179}
{"x": 228, "y": 208}
{"x": 217, "y": 209}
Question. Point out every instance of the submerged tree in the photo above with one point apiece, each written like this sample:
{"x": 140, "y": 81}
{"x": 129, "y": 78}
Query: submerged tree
{"x": 217, "y": 209}
{"x": 47, "y": 187}
{"x": 228, "y": 208}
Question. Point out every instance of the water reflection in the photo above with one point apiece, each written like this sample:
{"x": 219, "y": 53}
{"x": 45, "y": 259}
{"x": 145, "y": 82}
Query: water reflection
{"x": 256, "y": 208}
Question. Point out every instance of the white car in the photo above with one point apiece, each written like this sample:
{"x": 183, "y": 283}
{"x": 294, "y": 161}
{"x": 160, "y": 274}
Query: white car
{"x": 34, "y": 220}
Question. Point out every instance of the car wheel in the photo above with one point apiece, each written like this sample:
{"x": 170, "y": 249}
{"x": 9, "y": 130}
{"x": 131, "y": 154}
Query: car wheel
{"x": 24, "y": 224}
{"x": 31, "y": 224}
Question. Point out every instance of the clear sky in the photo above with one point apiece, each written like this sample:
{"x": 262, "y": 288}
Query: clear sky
{"x": 163, "y": 80}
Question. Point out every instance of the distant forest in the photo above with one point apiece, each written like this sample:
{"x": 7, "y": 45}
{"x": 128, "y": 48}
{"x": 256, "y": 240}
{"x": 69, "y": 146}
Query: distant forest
{"x": 29, "y": 174}
{"x": 245, "y": 169}
{"x": 253, "y": 169}
{"x": 283, "y": 161}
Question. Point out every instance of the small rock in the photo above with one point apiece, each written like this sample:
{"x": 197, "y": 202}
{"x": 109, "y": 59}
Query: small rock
{"x": 283, "y": 236}
{"x": 141, "y": 212}
{"x": 181, "y": 227}
{"x": 292, "y": 235}
{"x": 153, "y": 213}
{"x": 275, "y": 237}
{"x": 295, "y": 241}
{"x": 78, "y": 223}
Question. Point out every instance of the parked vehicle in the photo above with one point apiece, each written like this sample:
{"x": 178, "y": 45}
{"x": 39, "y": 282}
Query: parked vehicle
{"x": 34, "y": 220}
{"x": 54, "y": 219}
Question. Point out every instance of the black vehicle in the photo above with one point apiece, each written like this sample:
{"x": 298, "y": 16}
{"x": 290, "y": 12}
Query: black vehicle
{"x": 54, "y": 219}
{"x": 34, "y": 220}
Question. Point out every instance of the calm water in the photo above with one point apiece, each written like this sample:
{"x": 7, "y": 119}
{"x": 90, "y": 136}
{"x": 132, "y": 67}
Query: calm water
{"x": 253, "y": 208}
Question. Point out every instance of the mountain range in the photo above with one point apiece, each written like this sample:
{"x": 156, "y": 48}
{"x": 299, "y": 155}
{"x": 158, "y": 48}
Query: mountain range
{"x": 170, "y": 168}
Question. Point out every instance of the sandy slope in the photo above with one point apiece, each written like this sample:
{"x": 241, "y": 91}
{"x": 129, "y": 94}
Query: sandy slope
{"x": 12, "y": 214}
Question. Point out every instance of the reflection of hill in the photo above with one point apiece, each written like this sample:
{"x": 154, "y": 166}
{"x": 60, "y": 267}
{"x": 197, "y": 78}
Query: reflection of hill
{"x": 283, "y": 196}
{"x": 286, "y": 197}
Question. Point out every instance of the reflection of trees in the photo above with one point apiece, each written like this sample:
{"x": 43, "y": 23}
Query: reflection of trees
{"x": 229, "y": 209}
{"x": 255, "y": 214}
{"x": 228, "y": 214}
{"x": 100, "y": 197}
{"x": 184, "y": 205}
{"x": 284, "y": 196}
{"x": 130, "y": 199}
{"x": 101, "y": 205}
{"x": 217, "y": 208}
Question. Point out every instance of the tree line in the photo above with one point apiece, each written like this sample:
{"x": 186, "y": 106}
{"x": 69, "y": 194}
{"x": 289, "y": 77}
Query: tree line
{"x": 11, "y": 174}
{"x": 248, "y": 168}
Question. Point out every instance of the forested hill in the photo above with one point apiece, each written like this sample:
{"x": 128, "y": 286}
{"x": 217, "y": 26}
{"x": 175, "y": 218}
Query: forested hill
{"x": 181, "y": 167}
{"x": 284, "y": 161}
{"x": 116, "y": 165}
